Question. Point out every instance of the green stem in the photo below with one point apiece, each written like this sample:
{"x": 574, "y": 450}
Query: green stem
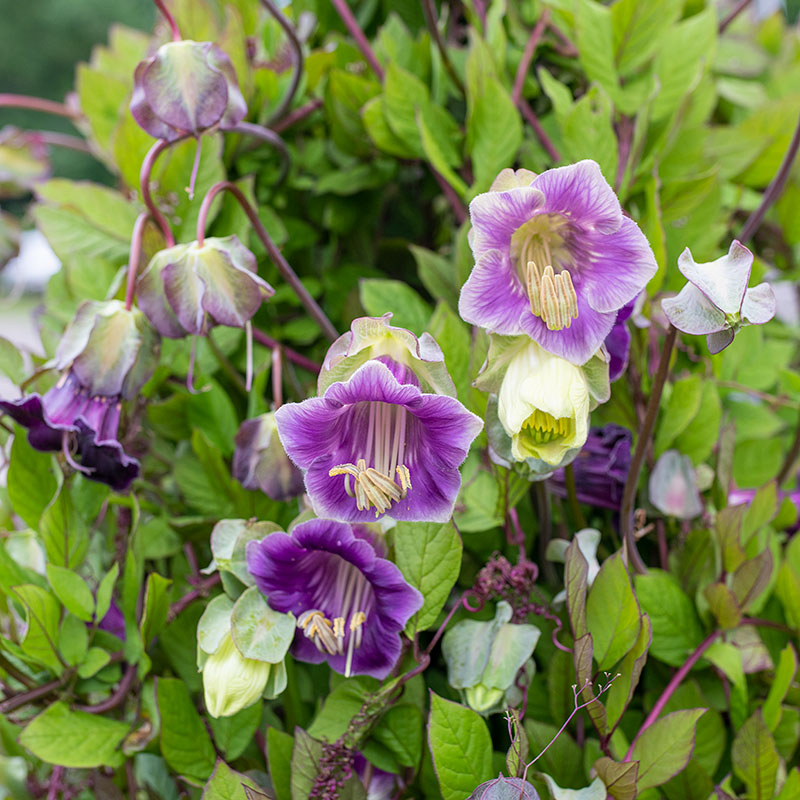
{"x": 572, "y": 496}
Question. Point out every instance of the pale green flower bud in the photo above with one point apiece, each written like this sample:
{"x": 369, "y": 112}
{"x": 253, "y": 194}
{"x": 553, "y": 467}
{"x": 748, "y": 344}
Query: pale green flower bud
{"x": 483, "y": 698}
{"x": 232, "y": 682}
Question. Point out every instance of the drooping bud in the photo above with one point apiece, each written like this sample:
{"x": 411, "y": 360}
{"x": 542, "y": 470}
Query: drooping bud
{"x": 484, "y": 657}
{"x": 106, "y": 355}
{"x": 186, "y": 88}
{"x": 412, "y": 359}
{"x": 189, "y": 288}
{"x": 260, "y": 462}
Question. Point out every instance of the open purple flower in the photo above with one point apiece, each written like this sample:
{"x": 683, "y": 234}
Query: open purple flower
{"x": 185, "y": 88}
{"x": 600, "y": 469}
{"x": 618, "y": 342}
{"x": 349, "y": 601}
{"x": 555, "y": 259}
{"x": 716, "y": 301}
{"x": 376, "y": 443}
{"x": 106, "y": 355}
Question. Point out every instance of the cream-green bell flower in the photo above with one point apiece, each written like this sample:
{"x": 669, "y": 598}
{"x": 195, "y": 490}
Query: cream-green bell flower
{"x": 232, "y": 682}
{"x": 543, "y": 405}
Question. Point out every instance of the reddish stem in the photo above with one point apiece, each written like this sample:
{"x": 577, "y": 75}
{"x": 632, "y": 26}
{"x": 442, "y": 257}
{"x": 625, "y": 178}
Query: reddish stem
{"x": 533, "y": 121}
{"x": 737, "y": 9}
{"x": 297, "y": 115}
{"x": 459, "y": 209}
{"x": 144, "y": 180}
{"x": 676, "y": 681}
{"x": 135, "y": 256}
{"x": 117, "y": 697}
{"x": 200, "y": 590}
{"x": 289, "y": 275}
{"x": 53, "y": 139}
{"x": 291, "y": 355}
{"x": 54, "y": 784}
{"x": 351, "y": 23}
{"x": 37, "y": 104}
{"x": 277, "y": 377}
{"x": 165, "y": 12}
{"x": 297, "y": 59}
{"x": 527, "y": 55}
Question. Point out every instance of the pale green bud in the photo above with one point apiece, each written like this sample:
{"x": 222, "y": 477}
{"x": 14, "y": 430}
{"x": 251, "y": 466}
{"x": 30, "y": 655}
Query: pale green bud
{"x": 232, "y": 682}
{"x": 483, "y": 698}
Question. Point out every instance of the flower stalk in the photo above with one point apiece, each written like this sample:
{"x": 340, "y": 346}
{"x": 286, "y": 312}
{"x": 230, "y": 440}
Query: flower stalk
{"x": 173, "y": 25}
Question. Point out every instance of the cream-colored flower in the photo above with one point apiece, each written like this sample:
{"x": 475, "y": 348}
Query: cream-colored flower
{"x": 232, "y": 682}
{"x": 543, "y": 405}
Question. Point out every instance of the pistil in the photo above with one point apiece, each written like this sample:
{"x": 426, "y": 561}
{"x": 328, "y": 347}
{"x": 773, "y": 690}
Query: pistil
{"x": 374, "y": 483}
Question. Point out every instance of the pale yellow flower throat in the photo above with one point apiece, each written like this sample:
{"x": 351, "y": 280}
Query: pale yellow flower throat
{"x": 543, "y": 427}
{"x": 375, "y": 485}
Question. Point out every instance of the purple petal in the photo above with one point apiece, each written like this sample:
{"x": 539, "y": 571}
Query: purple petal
{"x": 141, "y": 109}
{"x": 185, "y": 290}
{"x": 723, "y": 281}
{"x": 580, "y": 191}
{"x": 759, "y": 304}
{"x": 43, "y": 435}
{"x": 580, "y": 341}
{"x": 618, "y": 344}
{"x": 692, "y": 312}
{"x": 618, "y": 266}
{"x": 493, "y": 296}
{"x": 496, "y": 215}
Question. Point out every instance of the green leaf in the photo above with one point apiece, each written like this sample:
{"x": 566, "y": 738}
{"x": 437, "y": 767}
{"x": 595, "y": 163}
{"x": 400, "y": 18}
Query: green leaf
{"x": 755, "y": 758}
{"x": 760, "y": 510}
{"x": 233, "y": 734}
{"x": 62, "y": 532}
{"x": 346, "y": 95}
{"x": 562, "y": 760}
{"x": 700, "y": 437}
{"x": 619, "y": 777}
{"x": 75, "y": 738}
{"x": 630, "y": 669}
{"x": 212, "y": 411}
{"x": 225, "y": 784}
{"x": 96, "y": 658}
{"x": 638, "y": 30}
{"x": 438, "y": 275}
{"x": 72, "y": 591}
{"x": 185, "y": 743}
{"x": 305, "y": 764}
{"x": 378, "y": 296}
{"x": 676, "y": 628}
{"x": 681, "y": 408}
{"x": 11, "y": 363}
{"x": 375, "y": 121}
{"x": 279, "y": 757}
{"x": 31, "y": 479}
{"x": 453, "y": 336}
{"x": 42, "y": 616}
{"x": 576, "y": 577}
{"x": 784, "y": 675}
{"x": 613, "y": 634}
{"x": 340, "y": 706}
{"x": 400, "y": 731}
{"x": 156, "y": 607}
{"x": 665, "y": 747}
{"x": 432, "y": 145}
{"x": 429, "y": 556}
{"x": 105, "y": 591}
{"x": 587, "y": 132}
{"x": 73, "y": 640}
{"x": 258, "y": 631}
{"x": 595, "y": 40}
{"x": 461, "y": 748}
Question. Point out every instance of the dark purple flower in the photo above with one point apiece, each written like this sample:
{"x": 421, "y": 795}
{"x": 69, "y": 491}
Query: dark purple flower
{"x": 113, "y": 622}
{"x": 555, "y": 259}
{"x": 185, "y": 88}
{"x": 382, "y": 785}
{"x": 350, "y": 602}
{"x": 373, "y": 444}
{"x": 600, "y": 469}
{"x": 260, "y": 462}
{"x": 618, "y": 342}
{"x": 106, "y": 354}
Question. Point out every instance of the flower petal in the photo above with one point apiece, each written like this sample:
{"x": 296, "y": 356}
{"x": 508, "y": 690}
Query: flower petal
{"x": 493, "y": 296}
{"x": 719, "y": 340}
{"x": 723, "y": 281}
{"x": 580, "y": 192}
{"x": 496, "y": 215}
{"x": 692, "y": 312}
{"x": 759, "y": 304}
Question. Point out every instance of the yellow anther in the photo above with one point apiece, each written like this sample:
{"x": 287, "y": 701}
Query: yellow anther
{"x": 405, "y": 479}
{"x": 338, "y": 627}
{"x": 551, "y": 313}
{"x": 533, "y": 281}
{"x": 357, "y": 620}
{"x": 372, "y": 487}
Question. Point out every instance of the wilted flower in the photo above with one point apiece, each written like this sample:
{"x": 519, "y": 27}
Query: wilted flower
{"x": 106, "y": 355}
{"x": 189, "y": 288}
{"x": 260, "y": 462}
{"x": 484, "y": 657}
{"x": 350, "y": 602}
{"x": 600, "y": 469}
{"x": 376, "y": 443}
{"x": 502, "y": 788}
{"x": 232, "y": 682}
{"x": 543, "y": 401}
{"x": 716, "y": 301}
{"x": 673, "y": 486}
{"x": 555, "y": 259}
{"x": 186, "y": 88}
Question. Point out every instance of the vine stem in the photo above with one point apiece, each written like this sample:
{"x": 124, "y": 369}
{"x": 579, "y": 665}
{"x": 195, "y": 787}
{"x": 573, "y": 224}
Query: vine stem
{"x": 19, "y": 700}
{"x": 289, "y": 275}
{"x": 670, "y": 688}
{"x": 37, "y": 104}
{"x": 297, "y": 115}
{"x": 774, "y": 189}
{"x": 541, "y": 135}
{"x": 277, "y": 377}
{"x": 199, "y": 591}
{"x": 291, "y": 355}
{"x": 297, "y": 60}
{"x": 135, "y": 256}
{"x": 351, "y": 23}
{"x": 642, "y": 443}
{"x": 117, "y": 697}
{"x": 54, "y": 784}
{"x": 165, "y": 12}
{"x": 572, "y": 496}
{"x": 527, "y": 55}
{"x": 144, "y": 181}
{"x": 735, "y": 11}
{"x": 429, "y": 11}
{"x": 54, "y": 139}
{"x": 267, "y": 135}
